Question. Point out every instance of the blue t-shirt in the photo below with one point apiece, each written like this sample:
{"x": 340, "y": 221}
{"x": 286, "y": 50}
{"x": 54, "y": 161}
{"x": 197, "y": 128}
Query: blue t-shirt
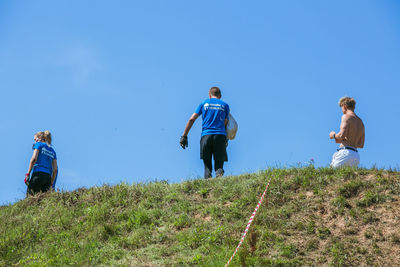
{"x": 214, "y": 111}
{"x": 45, "y": 158}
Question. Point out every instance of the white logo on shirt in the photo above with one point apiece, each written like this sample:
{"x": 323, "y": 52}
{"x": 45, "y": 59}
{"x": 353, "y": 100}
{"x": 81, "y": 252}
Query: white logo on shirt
{"x": 214, "y": 106}
{"x": 47, "y": 153}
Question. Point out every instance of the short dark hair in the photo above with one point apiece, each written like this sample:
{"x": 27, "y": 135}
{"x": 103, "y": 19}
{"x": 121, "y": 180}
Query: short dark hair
{"x": 214, "y": 91}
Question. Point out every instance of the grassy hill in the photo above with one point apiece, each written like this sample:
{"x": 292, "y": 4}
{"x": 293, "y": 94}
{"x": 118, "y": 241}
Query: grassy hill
{"x": 309, "y": 217}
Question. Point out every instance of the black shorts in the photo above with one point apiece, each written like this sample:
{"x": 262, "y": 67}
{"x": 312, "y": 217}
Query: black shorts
{"x": 39, "y": 182}
{"x": 213, "y": 145}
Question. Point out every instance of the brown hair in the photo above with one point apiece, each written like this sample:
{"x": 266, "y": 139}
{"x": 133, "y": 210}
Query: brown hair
{"x": 214, "y": 91}
{"x": 348, "y": 102}
{"x": 44, "y": 136}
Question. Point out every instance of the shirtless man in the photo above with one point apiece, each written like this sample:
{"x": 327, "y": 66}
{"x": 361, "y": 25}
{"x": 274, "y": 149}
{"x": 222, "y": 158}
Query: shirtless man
{"x": 350, "y": 137}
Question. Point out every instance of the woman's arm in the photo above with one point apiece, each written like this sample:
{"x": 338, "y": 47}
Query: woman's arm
{"x": 55, "y": 169}
{"x": 33, "y": 160}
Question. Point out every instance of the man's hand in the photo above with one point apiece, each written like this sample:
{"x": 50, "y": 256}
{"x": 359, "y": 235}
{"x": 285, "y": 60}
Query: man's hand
{"x": 26, "y": 180}
{"x": 332, "y": 135}
{"x": 183, "y": 142}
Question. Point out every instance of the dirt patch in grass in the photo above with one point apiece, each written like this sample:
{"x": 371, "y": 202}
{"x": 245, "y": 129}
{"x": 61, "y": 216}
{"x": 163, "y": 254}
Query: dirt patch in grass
{"x": 352, "y": 235}
{"x": 369, "y": 177}
{"x": 378, "y": 237}
{"x": 388, "y": 227}
{"x": 309, "y": 194}
{"x": 206, "y": 218}
{"x": 227, "y": 204}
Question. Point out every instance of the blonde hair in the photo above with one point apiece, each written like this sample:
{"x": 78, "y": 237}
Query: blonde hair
{"x": 44, "y": 136}
{"x": 348, "y": 102}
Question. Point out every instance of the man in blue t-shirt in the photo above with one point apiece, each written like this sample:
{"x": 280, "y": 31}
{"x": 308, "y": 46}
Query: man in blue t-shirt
{"x": 213, "y": 141}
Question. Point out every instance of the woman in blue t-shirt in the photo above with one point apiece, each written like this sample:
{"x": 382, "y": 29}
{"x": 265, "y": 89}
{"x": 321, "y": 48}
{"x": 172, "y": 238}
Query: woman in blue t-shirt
{"x": 43, "y": 164}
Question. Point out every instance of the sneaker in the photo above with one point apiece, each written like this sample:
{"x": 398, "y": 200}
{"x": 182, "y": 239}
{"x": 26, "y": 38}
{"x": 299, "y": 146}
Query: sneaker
{"x": 219, "y": 173}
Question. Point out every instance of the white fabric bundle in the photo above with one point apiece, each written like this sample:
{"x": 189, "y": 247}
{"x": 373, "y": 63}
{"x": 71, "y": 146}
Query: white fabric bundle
{"x": 231, "y": 127}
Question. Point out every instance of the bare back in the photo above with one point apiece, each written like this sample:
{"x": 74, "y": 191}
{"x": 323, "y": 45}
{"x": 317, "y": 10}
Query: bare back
{"x": 352, "y": 131}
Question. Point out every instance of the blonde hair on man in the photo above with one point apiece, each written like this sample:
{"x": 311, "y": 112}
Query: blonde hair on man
{"x": 348, "y": 102}
{"x": 44, "y": 136}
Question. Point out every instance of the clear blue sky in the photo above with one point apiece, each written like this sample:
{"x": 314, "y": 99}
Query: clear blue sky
{"x": 116, "y": 81}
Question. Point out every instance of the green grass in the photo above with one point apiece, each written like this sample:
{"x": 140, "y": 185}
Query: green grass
{"x": 310, "y": 216}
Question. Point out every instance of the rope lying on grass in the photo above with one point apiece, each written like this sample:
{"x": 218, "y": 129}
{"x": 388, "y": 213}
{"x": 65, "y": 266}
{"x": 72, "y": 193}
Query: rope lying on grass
{"x": 249, "y": 223}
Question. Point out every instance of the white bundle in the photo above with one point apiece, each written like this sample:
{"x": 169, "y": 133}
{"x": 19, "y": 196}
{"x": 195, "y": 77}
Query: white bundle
{"x": 231, "y": 127}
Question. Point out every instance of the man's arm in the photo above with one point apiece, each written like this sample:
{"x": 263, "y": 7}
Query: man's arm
{"x": 340, "y": 136}
{"x": 184, "y": 140}
{"x": 190, "y": 123}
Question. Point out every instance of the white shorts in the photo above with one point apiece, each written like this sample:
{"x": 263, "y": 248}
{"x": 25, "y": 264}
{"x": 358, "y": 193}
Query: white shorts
{"x": 345, "y": 157}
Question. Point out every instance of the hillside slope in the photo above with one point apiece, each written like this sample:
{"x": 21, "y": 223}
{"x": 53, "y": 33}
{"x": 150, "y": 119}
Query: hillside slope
{"x": 309, "y": 217}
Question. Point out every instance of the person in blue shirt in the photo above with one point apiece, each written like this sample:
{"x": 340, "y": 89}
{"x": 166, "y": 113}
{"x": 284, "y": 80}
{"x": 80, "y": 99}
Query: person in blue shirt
{"x": 213, "y": 141}
{"x": 43, "y": 164}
